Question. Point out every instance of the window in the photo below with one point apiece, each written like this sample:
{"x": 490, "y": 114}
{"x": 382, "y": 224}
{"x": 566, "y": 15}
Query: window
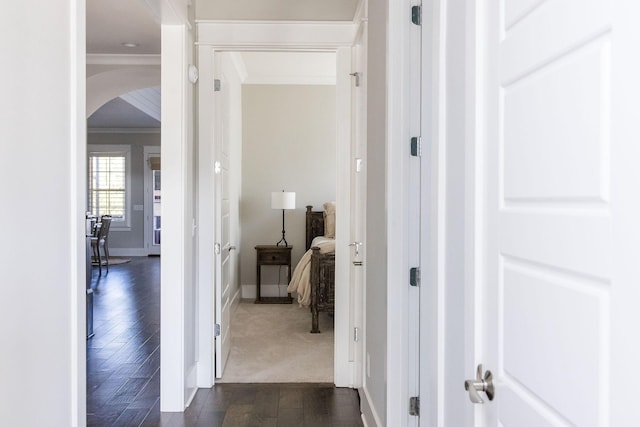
{"x": 109, "y": 183}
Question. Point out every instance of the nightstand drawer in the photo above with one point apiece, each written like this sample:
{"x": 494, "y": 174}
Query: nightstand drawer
{"x": 275, "y": 258}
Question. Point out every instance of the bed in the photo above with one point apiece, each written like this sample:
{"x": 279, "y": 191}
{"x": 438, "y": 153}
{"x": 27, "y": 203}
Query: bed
{"x": 314, "y": 276}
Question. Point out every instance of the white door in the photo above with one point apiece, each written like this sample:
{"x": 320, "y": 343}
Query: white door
{"x": 558, "y": 214}
{"x": 357, "y": 206}
{"x": 222, "y": 245}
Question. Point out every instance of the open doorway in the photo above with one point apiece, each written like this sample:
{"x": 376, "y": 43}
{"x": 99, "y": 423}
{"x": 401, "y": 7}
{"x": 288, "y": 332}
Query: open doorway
{"x": 287, "y": 111}
{"x": 346, "y": 359}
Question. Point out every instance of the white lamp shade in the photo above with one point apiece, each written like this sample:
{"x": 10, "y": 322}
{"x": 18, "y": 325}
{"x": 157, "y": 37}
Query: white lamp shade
{"x": 283, "y": 200}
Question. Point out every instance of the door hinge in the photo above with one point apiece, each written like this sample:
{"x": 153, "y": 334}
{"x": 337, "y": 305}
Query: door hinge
{"x": 355, "y": 335}
{"x": 416, "y": 15}
{"x": 357, "y": 76}
{"x": 414, "y": 276}
{"x": 414, "y": 406}
{"x": 216, "y": 85}
{"x": 416, "y": 146}
{"x": 217, "y": 330}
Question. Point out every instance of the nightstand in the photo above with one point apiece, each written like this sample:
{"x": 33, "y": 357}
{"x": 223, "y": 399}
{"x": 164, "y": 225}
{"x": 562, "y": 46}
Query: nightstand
{"x": 272, "y": 255}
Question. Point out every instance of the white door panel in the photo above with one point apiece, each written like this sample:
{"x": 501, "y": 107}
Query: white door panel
{"x": 547, "y": 268}
{"x": 222, "y": 223}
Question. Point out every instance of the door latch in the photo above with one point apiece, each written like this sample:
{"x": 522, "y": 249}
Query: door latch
{"x": 482, "y": 383}
{"x": 356, "y": 247}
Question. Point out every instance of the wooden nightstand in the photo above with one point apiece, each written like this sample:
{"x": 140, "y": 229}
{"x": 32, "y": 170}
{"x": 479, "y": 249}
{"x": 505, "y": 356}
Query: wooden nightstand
{"x": 272, "y": 255}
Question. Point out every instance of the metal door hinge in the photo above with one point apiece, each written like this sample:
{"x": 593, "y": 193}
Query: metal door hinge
{"x": 416, "y": 15}
{"x": 414, "y": 276}
{"x": 216, "y": 85}
{"x": 355, "y": 335}
{"x": 217, "y": 330}
{"x": 416, "y": 146}
{"x": 414, "y": 406}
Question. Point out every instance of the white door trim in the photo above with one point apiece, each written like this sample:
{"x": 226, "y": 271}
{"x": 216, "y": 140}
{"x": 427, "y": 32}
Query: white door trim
{"x": 400, "y": 88}
{"x": 78, "y": 187}
{"x": 433, "y": 218}
{"x": 177, "y": 361}
{"x": 343, "y": 370}
{"x": 260, "y": 37}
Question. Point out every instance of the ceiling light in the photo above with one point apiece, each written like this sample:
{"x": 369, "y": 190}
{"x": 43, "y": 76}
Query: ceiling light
{"x": 129, "y": 44}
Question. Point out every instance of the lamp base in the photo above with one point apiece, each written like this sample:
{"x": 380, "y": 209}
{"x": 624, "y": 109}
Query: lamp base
{"x": 283, "y": 241}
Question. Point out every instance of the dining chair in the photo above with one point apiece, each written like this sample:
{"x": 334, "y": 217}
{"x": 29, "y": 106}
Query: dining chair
{"x": 99, "y": 240}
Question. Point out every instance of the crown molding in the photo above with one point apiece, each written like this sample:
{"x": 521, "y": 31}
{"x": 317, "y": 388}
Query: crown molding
{"x": 115, "y": 59}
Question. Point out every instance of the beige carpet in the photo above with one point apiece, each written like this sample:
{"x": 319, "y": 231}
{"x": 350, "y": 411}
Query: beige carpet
{"x": 272, "y": 343}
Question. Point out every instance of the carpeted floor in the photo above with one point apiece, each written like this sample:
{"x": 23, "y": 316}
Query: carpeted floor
{"x": 271, "y": 343}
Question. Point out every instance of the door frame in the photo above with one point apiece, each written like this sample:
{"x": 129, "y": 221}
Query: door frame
{"x": 338, "y": 37}
{"x": 149, "y": 151}
{"x": 445, "y": 181}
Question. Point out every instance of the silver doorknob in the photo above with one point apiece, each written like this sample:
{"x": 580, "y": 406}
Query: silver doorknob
{"x": 481, "y": 383}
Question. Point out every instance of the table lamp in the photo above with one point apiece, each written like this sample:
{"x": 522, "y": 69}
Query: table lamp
{"x": 283, "y": 200}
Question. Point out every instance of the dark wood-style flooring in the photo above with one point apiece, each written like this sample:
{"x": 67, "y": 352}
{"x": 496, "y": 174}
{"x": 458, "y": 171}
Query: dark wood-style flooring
{"x": 123, "y": 370}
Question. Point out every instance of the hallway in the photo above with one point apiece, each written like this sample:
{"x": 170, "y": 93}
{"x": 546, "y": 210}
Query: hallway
{"x": 123, "y": 358}
{"x": 123, "y": 369}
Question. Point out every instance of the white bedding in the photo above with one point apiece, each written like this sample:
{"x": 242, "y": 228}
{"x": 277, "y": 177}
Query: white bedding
{"x": 301, "y": 277}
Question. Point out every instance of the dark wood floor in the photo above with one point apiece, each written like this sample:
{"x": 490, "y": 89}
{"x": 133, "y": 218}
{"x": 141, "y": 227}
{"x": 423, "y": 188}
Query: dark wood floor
{"x": 123, "y": 370}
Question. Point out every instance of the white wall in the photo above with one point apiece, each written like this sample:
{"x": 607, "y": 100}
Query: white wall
{"x": 130, "y": 242}
{"x": 42, "y": 176}
{"x": 178, "y": 291}
{"x": 289, "y": 134}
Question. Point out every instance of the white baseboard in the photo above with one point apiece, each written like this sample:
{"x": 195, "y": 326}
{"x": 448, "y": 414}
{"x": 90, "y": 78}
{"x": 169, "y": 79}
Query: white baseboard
{"x": 249, "y": 291}
{"x": 369, "y": 417}
{"x": 128, "y": 252}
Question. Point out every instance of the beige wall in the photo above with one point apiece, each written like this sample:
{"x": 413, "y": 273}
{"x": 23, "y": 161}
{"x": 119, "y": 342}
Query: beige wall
{"x": 289, "y": 134}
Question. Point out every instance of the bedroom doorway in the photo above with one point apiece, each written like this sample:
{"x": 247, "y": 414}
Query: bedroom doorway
{"x": 346, "y": 364}
{"x": 288, "y": 115}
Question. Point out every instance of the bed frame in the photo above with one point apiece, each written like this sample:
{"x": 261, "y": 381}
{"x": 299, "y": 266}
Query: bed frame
{"x": 323, "y": 270}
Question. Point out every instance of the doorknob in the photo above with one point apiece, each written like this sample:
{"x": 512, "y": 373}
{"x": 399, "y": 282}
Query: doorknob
{"x": 481, "y": 383}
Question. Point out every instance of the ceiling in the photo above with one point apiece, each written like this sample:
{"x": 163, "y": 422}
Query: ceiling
{"x": 111, "y": 24}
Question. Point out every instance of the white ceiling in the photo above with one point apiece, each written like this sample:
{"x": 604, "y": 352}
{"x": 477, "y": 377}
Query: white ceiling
{"x": 110, "y": 23}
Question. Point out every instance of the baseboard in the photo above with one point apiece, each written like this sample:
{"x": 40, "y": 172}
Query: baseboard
{"x": 370, "y": 417}
{"x": 249, "y": 291}
{"x": 128, "y": 252}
